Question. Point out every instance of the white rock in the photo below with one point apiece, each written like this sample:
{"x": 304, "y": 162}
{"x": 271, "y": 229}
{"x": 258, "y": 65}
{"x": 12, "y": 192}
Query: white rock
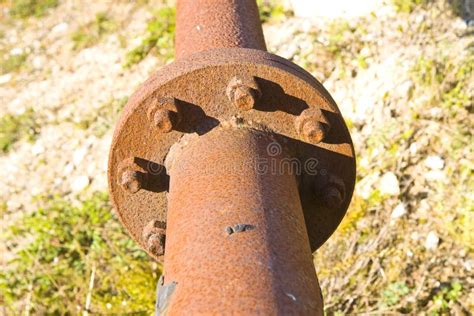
{"x": 389, "y": 184}
{"x": 5, "y": 78}
{"x": 37, "y": 148}
{"x": 79, "y": 184}
{"x": 60, "y": 28}
{"x": 38, "y": 62}
{"x": 16, "y": 51}
{"x": 468, "y": 265}
{"x": 413, "y": 148}
{"x": 398, "y": 211}
{"x": 79, "y": 155}
{"x": 432, "y": 241}
{"x": 434, "y": 162}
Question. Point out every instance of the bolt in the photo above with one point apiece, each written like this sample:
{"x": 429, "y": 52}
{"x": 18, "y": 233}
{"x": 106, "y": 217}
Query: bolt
{"x": 314, "y": 131}
{"x": 242, "y": 95}
{"x": 163, "y": 113}
{"x": 156, "y": 244}
{"x": 244, "y": 98}
{"x": 312, "y": 125}
{"x": 154, "y": 236}
{"x": 333, "y": 197}
{"x": 163, "y": 120}
{"x": 131, "y": 181}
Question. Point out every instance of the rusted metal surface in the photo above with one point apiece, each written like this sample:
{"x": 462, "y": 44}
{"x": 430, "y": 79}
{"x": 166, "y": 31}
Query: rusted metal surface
{"x": 207, "y": 24}
{"x": 199, "y": 86}
{"x": 239, "y": 243}
{"x": 231, "y": 236}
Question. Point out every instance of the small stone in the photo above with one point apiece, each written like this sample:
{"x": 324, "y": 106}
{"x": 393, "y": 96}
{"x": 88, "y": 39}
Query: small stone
{"x": 16, "y": 51}
{"x": 413, "y": 148}
{"x": 432, "y": 241}
{"x": 78, "y": 156}
{"x": 398, "y": 211}
{"x": 5, "y": 78}
{"x": 434, "y": 162}
{"x": 389, "y": 184}
{"x": 37, "y": 148}
{"x": 60, "y": 28}
{"x": 79, "y": 184}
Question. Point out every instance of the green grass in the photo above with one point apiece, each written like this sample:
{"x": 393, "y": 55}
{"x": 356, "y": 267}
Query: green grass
{"x": 27, "y": 8}
{"x": 91, "y": 33}
{"x": 445, "y": 297}
{"x": 17, "y": 127}
{"x": 11, "y": 63}
{"x": 451, "y": 80}
{"x": 103, "y": 119}
{"x": 159, "y": 38}
{"x": 272, "y": 11}
{"x": 59, "y": 247}
{"x": 407, "y": 6}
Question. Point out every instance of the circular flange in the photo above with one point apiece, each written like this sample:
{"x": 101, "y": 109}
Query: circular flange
{"x": 197, "y": 85}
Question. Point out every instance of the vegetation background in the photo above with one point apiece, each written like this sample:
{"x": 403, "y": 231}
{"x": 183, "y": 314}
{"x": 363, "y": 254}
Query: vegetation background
{"x": 402, "y": 76}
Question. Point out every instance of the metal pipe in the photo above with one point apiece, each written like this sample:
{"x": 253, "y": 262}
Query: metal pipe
{"x": 195, "y": 178}
{"x": 237, "y": 242}
{"x": 207, "y": 24}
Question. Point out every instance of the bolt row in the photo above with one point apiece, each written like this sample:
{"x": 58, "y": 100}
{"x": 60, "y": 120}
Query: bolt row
{"x": 244, "y": 93}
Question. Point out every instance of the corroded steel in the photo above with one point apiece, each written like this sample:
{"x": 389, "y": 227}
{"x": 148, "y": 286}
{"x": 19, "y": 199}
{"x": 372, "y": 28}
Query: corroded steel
{"x": 238, "y": 242}
{"x": 240, "y": 238}
{"x": 199, "y": 85}
{"x": 207, "y": 24}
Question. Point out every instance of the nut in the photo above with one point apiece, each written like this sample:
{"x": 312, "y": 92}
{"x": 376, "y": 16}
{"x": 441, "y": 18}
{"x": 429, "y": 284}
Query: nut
{"x": 154, "y": 236}
{"x": 156, "y": 244}
{"x": 334, "y": 192}
{"x": 131, "y": 181}
{"x": 244, "y": 94}
{"x": 333, "y": 197}
{"x": 163, "y": 120}
{"x": 312, "y": 125}
{"x": 164, "y": 114}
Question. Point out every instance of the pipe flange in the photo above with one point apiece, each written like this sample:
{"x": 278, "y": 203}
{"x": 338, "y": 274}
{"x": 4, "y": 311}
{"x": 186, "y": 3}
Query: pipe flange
{"x": 259, "y": 89}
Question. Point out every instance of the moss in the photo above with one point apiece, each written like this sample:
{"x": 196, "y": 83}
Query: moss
{"x": 27, "y": 8}
{"x": 272, "y": 11}
{"x": 61, "y": 246}
{"x": 159, "y": 38}
{"x": 392, "y": 294}
{"x": 91, "y": 33}
{"x": 16, "y": 127}
{"x": 12, "y": 63}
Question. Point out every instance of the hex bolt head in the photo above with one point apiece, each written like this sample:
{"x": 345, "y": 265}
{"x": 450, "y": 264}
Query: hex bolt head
{"x": 314, "y": 131}
{"x": 154, "y": 236}
{"x": 156, "y": 244}
{"x": 312, "y": 125}
{"x": 163, "y": 114}
{"x": 163, "y": 120}
{"x": 243, "y": 93}
{"x": 244, "y": 98}
{"x": 333, "y": 197}
{"x": 131, "y": 181}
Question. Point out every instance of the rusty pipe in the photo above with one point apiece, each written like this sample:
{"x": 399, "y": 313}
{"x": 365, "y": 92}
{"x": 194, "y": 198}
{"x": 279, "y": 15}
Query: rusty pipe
{"x": 233, "y": 240}
{"x": 237, "y": 241}
{"x": 208, "y": 24}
